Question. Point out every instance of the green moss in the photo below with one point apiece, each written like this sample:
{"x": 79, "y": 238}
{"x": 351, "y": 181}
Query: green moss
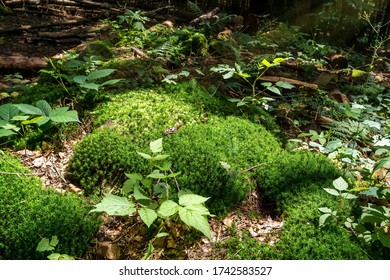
{"x": 144, "y": 114}
{"x": 197, "y": 151}
{"x": 101, "y": 159}
{"x": 29, "y": 213}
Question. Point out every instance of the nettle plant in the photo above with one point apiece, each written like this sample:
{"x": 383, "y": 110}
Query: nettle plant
{"x": 149, "y": 197}
{"x": 17, "y": 118}
{"x": 261, "y": 68}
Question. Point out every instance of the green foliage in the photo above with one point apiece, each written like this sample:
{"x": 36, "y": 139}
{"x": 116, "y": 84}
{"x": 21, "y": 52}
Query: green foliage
{"x": 29, "y": 213}
{"x": 19, "y": 118}
{"x": 262, "y": 67}
{"x": 198, "y": 150}
{"x": 151, "y": 200}
{"x": 49, "y": 245}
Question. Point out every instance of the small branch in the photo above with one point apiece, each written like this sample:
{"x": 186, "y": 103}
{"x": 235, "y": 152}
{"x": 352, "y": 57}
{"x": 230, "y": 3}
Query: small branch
{"x": 16, "y": 173}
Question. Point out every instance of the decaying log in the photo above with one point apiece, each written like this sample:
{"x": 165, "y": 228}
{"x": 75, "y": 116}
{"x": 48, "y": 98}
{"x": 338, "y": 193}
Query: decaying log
{"x": 291, "y": 81}
{"x": 45, "y": 25}
{"x": 81, "y": 3}
{"x": 22, "y": 63}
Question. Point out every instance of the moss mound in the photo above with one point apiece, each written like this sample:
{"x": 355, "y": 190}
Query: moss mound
{"x": 197, "y": 151}
{"x": 101, "y": 159}
{"x": 29, "y": 213}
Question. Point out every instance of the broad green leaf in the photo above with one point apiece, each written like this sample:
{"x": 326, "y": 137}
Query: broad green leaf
{"x": 90, "y": 86}
{"x": 370, "y": 218}
{"x": 165, "y": 166}
{"x": 58, "y": 111}
{"x": 193, "y": 219}
{"x": 340, "y": 184}
{"x": 111, "y": 82}
{"x": 141, "y": 196}
{"x": 274, "y": 90}
{"x": 115, "y": 205}
{"x": 324, "y": 219}
{"x": 198, "y": 208}
{"x": 156, "y": 175}
{"x": 42, "y": 120}
{"x": 348, "y": 195}
{"x": 372, "y": 124}
{"x": 81, "y": 80}
{"x": 135, "y": 176}
{"x": 358, "y": 73}
{"x": 128, "y": 186}
{"x": 8, "y": 111}
{"x": 173, "y": 175}
{"x": 44, "y": 245}
{"x": 148, "y": 216}
{"x": 187, "y": 199}
{"x": 325, "y": 210}
{"x": 332, "y": 191}
{"x": 285, "y": 85}
{"x": 44, "y": 106}
{"x": 161, "y": 157}
{"x": 156, "y": 146}
{"x": 64, "y": 117}
{"x": 29, "y": 109}
{"x": 266, "y": 84}
{"x": 11, "y": 127}
{"x": 384, "y": 238}
{"x": 6, "y": 132}
{"x": 266, "y": 63}
{"x": 100, "y": 74}
{"x": 168, "y": 208}
{"x": 54, "y": 256}
{"x": 147, "y": 183}
{"x": 145, "y": 156}
{"x": 54, "y": 241}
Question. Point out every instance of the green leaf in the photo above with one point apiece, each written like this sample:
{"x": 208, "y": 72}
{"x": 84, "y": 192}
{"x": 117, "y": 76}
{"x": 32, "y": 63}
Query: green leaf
{"x": 141, "y": 196}
{"x": 145, "y": 156}
{"x": 340, "y": 184}
{"x": 111, "y": 82}
{"x": 168, "y": 208}
{"x": 324, "y": 219}
{"x": 90, "y": 86}
{"x": 161, "y": 157}
{"x": 148, "y": 216}
{"x": 44, "y": 245}
{"x": 148, "y": 252}
{"x": 173, "y": 175}
{"x": 193, "y": 219}
{"x": 81, "y": 80}
{"x": 6, "y": 132}
{"x": 156, "y": 146}
{"x": 325, "y": 210}
{"x": 348, "y": 195}
{"x": 54, "y": 256}
{"x": 44, "y": 106}
{"x": 274, "y": 90}
{"x": 278, "y": 60}
{"x": 266, "y": 63}
{"x": 188, "y": 199}
{"x": 199, "y": 208}
{"x": 8, "y": 111}
{"x": 165, "y": 166}
{"x": 42, "y": 120}
{"x": 54, "y": 241}
{"x": 332, "y": 191}
{"x": 29, "y": 109}
{"x": 100, "y": 74}
{"x": 115, "y": 205}
{"x": 285, "y": 85}
{"x": 64, "y": 117}
{"x": 384, "y": 238}
{"x": 35, "y": 120}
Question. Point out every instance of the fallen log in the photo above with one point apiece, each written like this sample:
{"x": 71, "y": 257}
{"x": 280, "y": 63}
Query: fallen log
{"x": 288, "y": 80}
{"x": 22, "y": 63}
